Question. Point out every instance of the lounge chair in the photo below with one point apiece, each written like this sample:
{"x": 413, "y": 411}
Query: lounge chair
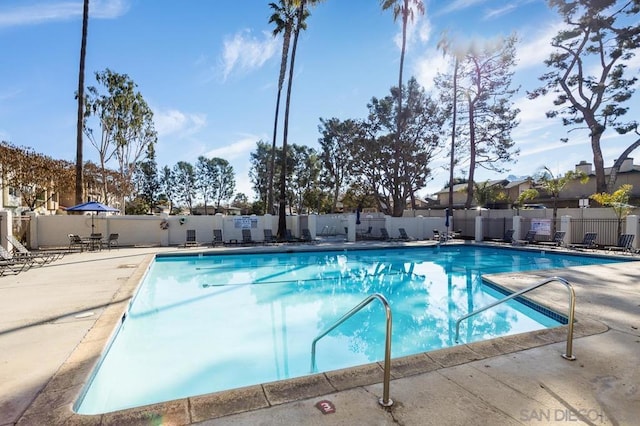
{"x": 306, "y": 236}
{"x": 111, "y": 240}
{"x": 588, "y": 242}
{"x": 217, "y": 237}
{"x": 246, "y": 237}
{"x": 288, "y": 237}
{"x": 529, "y": 238}
{"x": 625, "y": 242}
{"x": 365, "y": 235}
{"x": 9, "y": 264}
{"x": 269, "y": 238}
{"x": 191, "y": 238}
{"x": 506, "y": 238}
{"x": 384, "y": 235}
{"x": 21, "y": 251}
{"x": 11, "y": 267}
{"x": 557, "y": 240}
{"x": 404, "y": 236}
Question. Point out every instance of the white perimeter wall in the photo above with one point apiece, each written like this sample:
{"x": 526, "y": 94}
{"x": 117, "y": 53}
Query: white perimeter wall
{"x": 53, "y": 230}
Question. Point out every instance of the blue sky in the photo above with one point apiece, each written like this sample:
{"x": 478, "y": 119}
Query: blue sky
{"x": 209, "y": 69}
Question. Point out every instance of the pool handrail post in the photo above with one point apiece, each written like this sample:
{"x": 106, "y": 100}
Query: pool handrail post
{"x": 385, "y": 401}
{"x": 572, "y": 306}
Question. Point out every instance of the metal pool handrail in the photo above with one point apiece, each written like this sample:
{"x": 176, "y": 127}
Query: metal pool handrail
{"x": 385, "y": 401}
{"x": 572, "y": 305}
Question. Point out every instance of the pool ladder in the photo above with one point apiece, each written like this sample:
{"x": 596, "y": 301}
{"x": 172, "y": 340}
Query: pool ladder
{"x": 572, "y": 305}
{"x": 385, "y": 401}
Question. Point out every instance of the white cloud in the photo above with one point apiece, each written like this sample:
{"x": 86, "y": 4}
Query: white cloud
{"x": 172, "y": 121}
{"x": 495, "y": 13}
{"x": 428, "y": 66}
{"x": 418, "y": 31}
{"x": 537, "y": 48}
{"x": 460, "y": 5}
{"x": 246, "y": 53}
{"x": 237, "y": 149}
{"x": 60, "y": 11}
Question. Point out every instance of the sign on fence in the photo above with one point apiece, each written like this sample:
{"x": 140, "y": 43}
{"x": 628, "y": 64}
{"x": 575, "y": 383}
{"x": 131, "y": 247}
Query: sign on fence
{"x": 541, "y": 226}
{"x": 245, "y": 222}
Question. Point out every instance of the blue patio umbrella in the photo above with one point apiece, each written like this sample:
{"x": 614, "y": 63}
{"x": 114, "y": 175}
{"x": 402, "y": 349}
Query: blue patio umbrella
{"x": 92, "y": 206}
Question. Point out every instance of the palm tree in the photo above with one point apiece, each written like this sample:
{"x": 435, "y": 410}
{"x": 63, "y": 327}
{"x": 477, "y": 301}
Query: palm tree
{"x": 300, "y": 24}
{"x": 283, "y": 17}
{"x": 403, "y": 9}
{"x": 80, "y": 94}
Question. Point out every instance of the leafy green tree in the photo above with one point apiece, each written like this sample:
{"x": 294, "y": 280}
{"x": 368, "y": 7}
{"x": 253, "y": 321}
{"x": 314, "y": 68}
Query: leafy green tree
{"x": 224, "y": 184}
{"x": 35, "y": 176}
{"x": 126, "y": 123}
{"x": 184, "y": 179}
{"x": 553, "y": 185}
{"x": 337, "y": 137}
{"x": 587, "y": 70}
{"x": 485, "y": 193}
{"x": 284, "y": 18}
{"x": 406, "y": 10}
{"x": 168, "y": 186}
{"x": 80, "y": 99}
{"x": 618, "y": 201}
{"x": 259, "y": 171}
{"x": 524, "y": 196}
{"x": 485, "y": 82}
{"x": 394, "y": 168}
{"x": 205, "y": 176}
{"x": 242, "y": 201}
{"x": 148, "y": 184}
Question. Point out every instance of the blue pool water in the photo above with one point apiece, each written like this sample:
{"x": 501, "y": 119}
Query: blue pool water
{"x": 200, "y": 324}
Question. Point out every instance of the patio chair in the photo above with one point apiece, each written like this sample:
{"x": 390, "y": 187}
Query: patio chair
{"x": 404, "y": 236}
{"x": 506, "y": 238}
{"x": 384, "y": 234}
{"x": 529, "y": 238}
{"x": 217, "y": 237}
{"x": 111, "y": 240}
{"x": 288, "y": 236}
{"x": 365, "y": 235}
{"x": 21, "y": 251}
{"x": 246, "y": 237}
{"x": 306, "y": 236}
{"x": 557, "y": 240}
{"x": 588, "y": 242}
{"x": 191, "y": 238}
{"x": 625, "y": 243}
{"x": 75, "y": 241}
{"x": 269, "y": 238}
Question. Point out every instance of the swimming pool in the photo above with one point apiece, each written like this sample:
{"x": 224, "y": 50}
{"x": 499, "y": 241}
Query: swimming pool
{"x": 200, "y": 324}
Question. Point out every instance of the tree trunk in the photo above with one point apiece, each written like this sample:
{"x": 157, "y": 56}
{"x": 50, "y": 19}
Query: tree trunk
{"x": 472, "y": 156}
{"x": 453, "y": 134}
{"x": 282, "y": 219}
{"x": 79, "y": 196}
{"x": 613, "y": 176}
{"x": 598, "y": 163}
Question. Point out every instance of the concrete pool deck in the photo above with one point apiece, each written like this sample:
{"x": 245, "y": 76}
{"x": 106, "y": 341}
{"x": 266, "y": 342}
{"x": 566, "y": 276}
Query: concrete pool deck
{"x": 56, "y": 320}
